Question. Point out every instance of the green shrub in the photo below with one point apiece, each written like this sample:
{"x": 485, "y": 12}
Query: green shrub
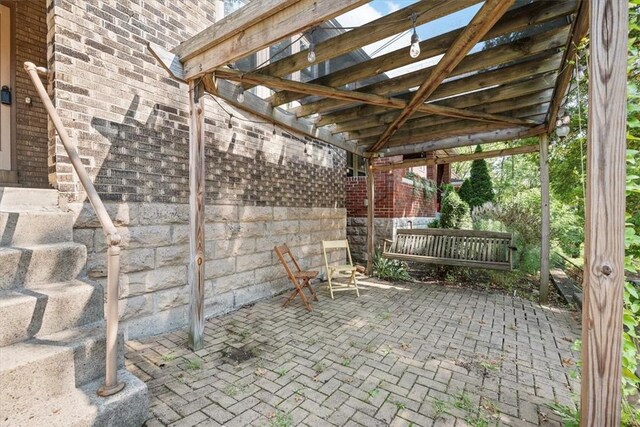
{"x": 478, "y": 189}
{"x": 454, "y": 213}
{"x": 390, "y": 269}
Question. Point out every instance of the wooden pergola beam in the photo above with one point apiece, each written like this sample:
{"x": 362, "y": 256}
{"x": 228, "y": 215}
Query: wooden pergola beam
{"x": 367, "y": 98}
{"x": 501, "y": 135}
{"x": 482, "y": 22}
{"x": 521, "y": 108}
{"x": 579, "y": 31}
{"x": 514, "y": 20}
{"x": 373, "y": 31}
{"x": 540, "y": 63}
{"x": 369, "y": 115}
{"x": 251, "y": 29}
{"x": 456, "y": 158}
{"x": 602, "y": 311}
{"x": 253, "y": 104}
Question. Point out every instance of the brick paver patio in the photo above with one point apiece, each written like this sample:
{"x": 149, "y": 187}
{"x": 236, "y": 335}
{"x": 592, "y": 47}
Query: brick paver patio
{"x": 410, "y": 354}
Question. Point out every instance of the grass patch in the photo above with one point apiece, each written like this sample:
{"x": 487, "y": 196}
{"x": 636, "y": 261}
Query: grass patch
{"x": 463, "y": 401}
{"x": 194, "y": 365}
{"x": 281, "y": 372}
{"x": 281, "y": 419}
{"x": 346, "y": 361}
{"x": 320, "y": 367}
{"x": 439, "y": 407}
{"x": 168, "y": 357}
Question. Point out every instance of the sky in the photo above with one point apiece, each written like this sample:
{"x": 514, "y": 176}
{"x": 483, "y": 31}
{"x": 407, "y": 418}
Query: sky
{"x": 379, "y": 8}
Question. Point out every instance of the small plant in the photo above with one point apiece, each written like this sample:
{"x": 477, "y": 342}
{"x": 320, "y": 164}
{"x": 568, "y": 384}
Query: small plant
{"x": 346, "y": 361}
{"x": 476, "y": 421}
{"x": 439, "y": 405}
{"x": 464, "y": 402}
{"x": 281, "y": 419}
{"x": 373, "y": 393}
{"x": 390, "y": 269}
{"x": 319, "y": 367}
{"x": 230, "y": 390}
{"x": 168, "y": 357}
{"x": 400, "y": 405}
{"x": 281, "y": 372}
{"x": 245, "y": 333}
{"x": 194, "y": 364}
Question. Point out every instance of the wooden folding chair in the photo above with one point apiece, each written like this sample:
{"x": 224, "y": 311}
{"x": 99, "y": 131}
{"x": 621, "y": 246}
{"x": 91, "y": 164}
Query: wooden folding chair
{"x": 299, "y": 278}
{"x": 344, "y": 270}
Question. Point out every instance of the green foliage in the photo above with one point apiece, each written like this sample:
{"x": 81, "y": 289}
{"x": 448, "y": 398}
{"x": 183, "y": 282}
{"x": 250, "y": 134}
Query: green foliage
{"x": 480, "y": 188}
{"x": 422, "y": 186}
{"x": 466, "y": 191}
{"x": 454, "y": 213}
{"x": 390, "y": 269}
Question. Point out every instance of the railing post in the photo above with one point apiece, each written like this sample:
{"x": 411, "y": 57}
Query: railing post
{"x": 111, "y": 384}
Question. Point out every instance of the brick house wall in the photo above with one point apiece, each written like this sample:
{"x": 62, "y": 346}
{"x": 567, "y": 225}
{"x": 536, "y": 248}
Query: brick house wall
{"x": 398, "y": 203}
{"x": 264, "y": 186}
{"x": 31, "y": 139}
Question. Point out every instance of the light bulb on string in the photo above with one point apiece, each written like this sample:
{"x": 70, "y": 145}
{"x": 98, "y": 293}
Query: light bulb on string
{"x": 414, "y": 50}
{"x": 311, "y": 56}
{"x": 240, "y": 96}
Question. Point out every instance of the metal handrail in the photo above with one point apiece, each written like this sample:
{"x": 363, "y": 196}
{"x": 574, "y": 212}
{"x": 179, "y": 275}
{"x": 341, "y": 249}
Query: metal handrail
{"x": 111, "y": 384}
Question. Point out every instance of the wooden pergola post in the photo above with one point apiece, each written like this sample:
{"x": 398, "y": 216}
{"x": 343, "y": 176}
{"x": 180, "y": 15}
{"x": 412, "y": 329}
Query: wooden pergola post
{"x": 601, "y": 392}
{"x": 545, "y": 246}
{"x": 371, "y": 185}
{"x": 196, "y": 215}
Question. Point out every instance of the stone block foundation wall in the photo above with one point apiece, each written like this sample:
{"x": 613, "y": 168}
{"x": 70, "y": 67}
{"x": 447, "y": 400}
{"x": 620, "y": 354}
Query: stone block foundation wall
{"x": 241, "y": 266}
{"x": 264, "y": 186}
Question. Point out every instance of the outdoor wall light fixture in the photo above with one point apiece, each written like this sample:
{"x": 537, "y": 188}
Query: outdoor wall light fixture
{"x": 414, "y": 50}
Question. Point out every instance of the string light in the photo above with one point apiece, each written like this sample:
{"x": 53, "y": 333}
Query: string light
{"x": 414, "y": 50}
{"x": 240, "y": 96}
{"x": 311, "y": 56}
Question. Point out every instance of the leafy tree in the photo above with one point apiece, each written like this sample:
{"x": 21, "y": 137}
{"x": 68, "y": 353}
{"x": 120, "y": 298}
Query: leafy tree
{"x": 480, "y": 186}
{"x": 466, "y": 192}
{"x": 454, "y": 212}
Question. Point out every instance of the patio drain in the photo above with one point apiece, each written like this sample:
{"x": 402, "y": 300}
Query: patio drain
{"x": 242, "y": 354}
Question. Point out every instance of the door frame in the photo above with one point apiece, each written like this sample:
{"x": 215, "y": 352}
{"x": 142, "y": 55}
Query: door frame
{"x": 12, "y": 34}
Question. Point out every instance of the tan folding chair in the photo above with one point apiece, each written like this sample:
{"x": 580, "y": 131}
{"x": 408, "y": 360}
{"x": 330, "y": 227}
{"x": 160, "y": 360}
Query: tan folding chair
{"x": 299, "y": 278}
{"x": 341, "y": 271}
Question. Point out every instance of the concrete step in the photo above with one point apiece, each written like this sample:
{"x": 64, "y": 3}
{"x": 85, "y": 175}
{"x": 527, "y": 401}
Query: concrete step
{"x": 28, "y": 266}
{"x": 16, "y": 199}
{"x": 82, "y": 407}
{"x": 46, "y": 309}
{"x": 43, "y": 368}
{"x": 35, "y": 227}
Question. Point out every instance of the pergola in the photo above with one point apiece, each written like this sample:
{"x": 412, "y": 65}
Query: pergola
{"x": 511, "y": 90}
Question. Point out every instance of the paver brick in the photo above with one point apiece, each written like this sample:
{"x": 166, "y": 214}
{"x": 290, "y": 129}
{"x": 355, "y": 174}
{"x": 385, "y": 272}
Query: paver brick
{"x": 348, "y": 363}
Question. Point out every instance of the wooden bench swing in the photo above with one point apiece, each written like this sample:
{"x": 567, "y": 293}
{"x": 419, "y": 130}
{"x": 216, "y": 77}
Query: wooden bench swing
{"x": 462, "y": 248}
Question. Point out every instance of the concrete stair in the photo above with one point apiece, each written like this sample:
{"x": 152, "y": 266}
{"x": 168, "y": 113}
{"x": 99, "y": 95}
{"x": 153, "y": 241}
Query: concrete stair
{"x": 52, "y": 333}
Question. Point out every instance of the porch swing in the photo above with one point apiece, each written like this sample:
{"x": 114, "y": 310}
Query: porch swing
{"x": 462, "y": 248}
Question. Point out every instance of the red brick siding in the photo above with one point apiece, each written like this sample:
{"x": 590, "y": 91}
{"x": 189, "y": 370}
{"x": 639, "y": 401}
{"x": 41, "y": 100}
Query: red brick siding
{"x": 393, "y": 198}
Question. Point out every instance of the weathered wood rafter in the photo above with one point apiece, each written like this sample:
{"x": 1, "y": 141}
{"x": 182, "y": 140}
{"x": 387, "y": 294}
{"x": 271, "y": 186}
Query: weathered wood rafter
{"x": 454, "y": 158}
{"x": 250, "y": 30}
{"x": 278, "y": 83}
{"x": 580, "y": 27}
{"x": 536, "y": 64}
{"x": 378, "y": 29}
{"x": 514, "y": 20}
{"x": 372, "y": 116}
{"x": 462, "y": 140}
{"x": 537, "y": 104}
{"x": 482, "y": 22}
